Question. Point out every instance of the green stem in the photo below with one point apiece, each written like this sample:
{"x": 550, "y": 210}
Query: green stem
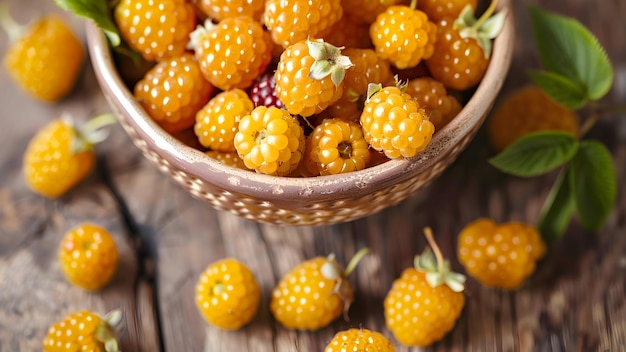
{"x": 13, "y": 29}
{"x": 433, "y": 245}
{"x": 589, "y": 123}
{"x": 490, "y": 10}
{"x": 355, "y": 260}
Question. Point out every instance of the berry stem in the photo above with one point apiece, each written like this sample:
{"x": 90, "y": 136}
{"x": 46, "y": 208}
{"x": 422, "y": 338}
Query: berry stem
{"x": 413, "y": 4}
{"x": 355, "y": 260}
{"x": 92, "y": 130}
{"x": 490, "y": 10}
{"x": 428, "y": 233}
{"x": 13, "y": 29}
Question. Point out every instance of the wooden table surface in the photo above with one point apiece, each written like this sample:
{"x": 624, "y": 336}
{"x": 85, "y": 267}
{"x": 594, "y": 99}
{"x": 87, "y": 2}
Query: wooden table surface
{"x": 574, "y": 302}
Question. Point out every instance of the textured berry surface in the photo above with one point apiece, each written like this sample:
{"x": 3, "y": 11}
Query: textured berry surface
{"x": 230, "y": 159}
{"x": 292, "y": 21}
{"x": 433, "y": 96}
{"x": 403, "y": 36}
{"x": 158, "y": 30}
{"x": 82, "y": 331}
{"x": 233, "y": 53}
{"x": 173, "y": 91}
{"x": 263, "y": 91}
{"x": 336, "y": 147}
{"x": 500, "y": 255}
{"x": 218, "y": 121}
{"x": 368, "y": 68}
{"x": 305, "y": 298}
{"x": 525, "y": 111}
{"x": 394, "y": 123}
{"x": 367, "y": 9}
{"x": 359, "y": 340}
{"x": 227, "y": 294}
{"x": 458, "y": 63}
{"x": 349, "y": 33}
{"x": 88, "y": 256}
{"x": 438, "y": 10}
{"x": 270, "y": 141}
{"x": 46, "y": 60}
{"x": 300, "y": 93}
{"x": 222, "y": 9}
{"x": 51, "y": 165}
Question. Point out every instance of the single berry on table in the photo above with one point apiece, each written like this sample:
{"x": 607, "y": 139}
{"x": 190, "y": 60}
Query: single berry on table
{"x": 359, "y": 340}
{"x": 314, "y": 293}
{"x": 309, "y": 76}
{"x": 227, "y": 294}
{"x": 83, "y": 331}
{"x": 61, "y": 154}
{"x": 270, "y": 141}
{"x": 173, "y": 91}
{"x": 525, "y": 111}
{"x": 158, "y": 30}
{"x": 232, "y": 53}
{"x": 44, "y": 58}
{"x": 218, "y": 121}
{"x": 394, "y": 123}
{"x": 88, "y": 256}
{"x": 425, "y": 302}
{"x": 502, "y": 255}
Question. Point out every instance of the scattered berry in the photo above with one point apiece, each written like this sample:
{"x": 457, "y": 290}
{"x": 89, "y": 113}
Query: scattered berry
{"x": 314, "y": 293}
{"x": 425, "y": 302}
{"x": 158, "y": 30}
{"x": 263, "y": 91}
{"x": 217, "y": 122}
{"x": 394, "y": 123}
{"x": 44, "y": 58}
{"x": 438, "y": 10}
{"x": 270, "y": 141}
{"x": 404, "y": 36}
{"x": 525, "y": 111}
{"x": 433, "y": 96}
{"x": 61, "y": 155}
{"x": 219, "y": 10}
{"x": 227, "y": 294}
{"x": 359, "y": 340}
{"x": 463, "y": 48}
{"x": 292, "y": 21}
{"x": 336, "y": 147}
{"x": 309, "y": 76}
{"x": 83, "y": 331}
{"x": 233, "y": 53}
{"x": 173, "y": 91}
{"x": 500, "y": 255}
{"x": 88, "y": 256}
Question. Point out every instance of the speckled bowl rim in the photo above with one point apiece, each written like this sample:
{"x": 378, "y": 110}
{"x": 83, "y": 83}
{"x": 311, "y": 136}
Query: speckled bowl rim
{"x": 350, "y": 185}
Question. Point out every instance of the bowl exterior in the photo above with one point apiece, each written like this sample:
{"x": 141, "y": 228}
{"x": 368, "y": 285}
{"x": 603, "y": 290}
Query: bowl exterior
{"x": 320, "y": 200}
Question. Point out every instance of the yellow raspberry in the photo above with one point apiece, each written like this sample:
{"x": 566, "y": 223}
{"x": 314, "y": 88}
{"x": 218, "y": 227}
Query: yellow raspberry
{"x": 230, "y": 159}
{"x": 525, "y": 111}
{"x": 270, "y": 141}
{"x": 222, "y": 9}
{"x": 500, "y": 255}
{"x": 437, "y": 10}
{"x": 44, "y": 58}
{"x": 433, "y": 96}
{"x": 394, "y": 123}
{"x": 349, "y": 33}
{"x": 367, "y": 9}
{"x": 83, "y": 331}
{"x": 336, "y": 147}
{"x": 217, "y": 122}
{"x": 309, "y": 77}
{"x": 88, "y": 256}
{"x": 227, "y": 294}
{"x": 359, "y": 340}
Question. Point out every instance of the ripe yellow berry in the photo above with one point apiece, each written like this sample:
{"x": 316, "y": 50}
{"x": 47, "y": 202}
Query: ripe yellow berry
{"x": 83, "y": 331}
{"x": 359, "y": 340}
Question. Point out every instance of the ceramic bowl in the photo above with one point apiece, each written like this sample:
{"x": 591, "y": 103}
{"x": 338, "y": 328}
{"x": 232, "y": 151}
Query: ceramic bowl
{"x": 318, "y": 200}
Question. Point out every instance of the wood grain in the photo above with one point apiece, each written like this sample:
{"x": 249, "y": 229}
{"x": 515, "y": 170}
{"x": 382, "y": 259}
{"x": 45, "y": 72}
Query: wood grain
{"x": 574, "y": 302}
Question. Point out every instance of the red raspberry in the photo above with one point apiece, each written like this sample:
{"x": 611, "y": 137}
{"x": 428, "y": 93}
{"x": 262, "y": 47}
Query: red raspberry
{"x": 263, "y": 91}
{"x": 227, "y": 62}
{"x": 158, "y": 30}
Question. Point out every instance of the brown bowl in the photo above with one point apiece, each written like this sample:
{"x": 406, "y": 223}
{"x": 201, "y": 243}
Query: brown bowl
{"x": 300, "y": 201}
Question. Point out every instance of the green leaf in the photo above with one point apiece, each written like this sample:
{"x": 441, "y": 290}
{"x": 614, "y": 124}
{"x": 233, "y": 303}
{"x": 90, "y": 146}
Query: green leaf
{"x": 536, "y": 153}
{"x": 594, "y": 184}
{"x": 569, "y": 49}
{"x": 563, "y": 90}
{"x": 96, "y": 10}
{"x": 557, "y": 210}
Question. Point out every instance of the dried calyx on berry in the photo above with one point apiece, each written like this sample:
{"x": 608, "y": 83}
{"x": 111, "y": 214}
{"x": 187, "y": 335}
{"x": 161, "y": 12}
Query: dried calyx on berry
{"x": 89, "y": 133}
{"x": 437, "y": 268}
{"x": 328, "y": 61}
{"x": 484, "y": 29}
